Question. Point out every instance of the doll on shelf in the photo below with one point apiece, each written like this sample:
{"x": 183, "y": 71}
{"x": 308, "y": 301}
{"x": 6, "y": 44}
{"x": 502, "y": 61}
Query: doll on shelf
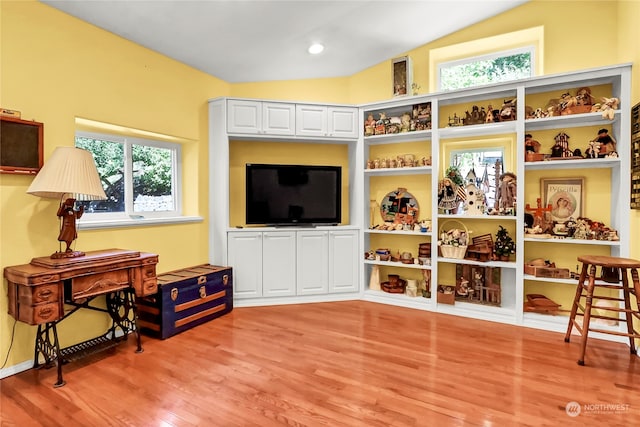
{"x": 448, "y": 199}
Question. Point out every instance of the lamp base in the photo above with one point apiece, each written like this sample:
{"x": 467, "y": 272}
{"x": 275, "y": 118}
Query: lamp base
{"x": 68, "y": 254}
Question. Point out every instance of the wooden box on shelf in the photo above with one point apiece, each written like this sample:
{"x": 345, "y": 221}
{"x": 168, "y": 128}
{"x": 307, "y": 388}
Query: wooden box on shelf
{"x": 533, "y": 157}
{"x": 446, "y": 294}
{"x": 481, "y": 248}
{"x": 549, "y": 272}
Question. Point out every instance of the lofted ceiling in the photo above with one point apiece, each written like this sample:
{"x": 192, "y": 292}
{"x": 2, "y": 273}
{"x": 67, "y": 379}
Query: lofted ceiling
{"x": 264, "y": 40}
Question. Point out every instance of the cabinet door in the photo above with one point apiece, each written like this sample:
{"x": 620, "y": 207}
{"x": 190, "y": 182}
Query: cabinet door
{"x": 278, "y": 118}
{"x": 311, "y": 120}
{"x": 343, "y": 122}
{"x": 245, "y": 256}
{"x": 343, "y": 261}
{"x": 278, "y": 263}
{"x": 244, "y": 116}
{"x": 312, "y": 262}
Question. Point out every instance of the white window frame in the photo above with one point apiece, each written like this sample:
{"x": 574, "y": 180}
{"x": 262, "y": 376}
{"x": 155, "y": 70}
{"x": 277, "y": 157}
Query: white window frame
{"x": 528, "y": 37}
{"x": 96, "y": 220}
{"x": 531, "y": 50}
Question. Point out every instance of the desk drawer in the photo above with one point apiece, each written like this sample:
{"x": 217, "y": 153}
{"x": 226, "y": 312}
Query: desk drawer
{"x": 101, "y": 283}
{"x": 186, "y": 298}
{"x": 35, "y": 304}
{"x": 144, "y": 280}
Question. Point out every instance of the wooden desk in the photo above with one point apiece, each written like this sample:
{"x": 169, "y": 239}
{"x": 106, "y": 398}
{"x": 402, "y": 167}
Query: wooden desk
{"x": 47, "y": 291}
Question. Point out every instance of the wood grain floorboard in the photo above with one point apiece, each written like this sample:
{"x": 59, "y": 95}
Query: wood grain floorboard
{"x": 337, "y": 364}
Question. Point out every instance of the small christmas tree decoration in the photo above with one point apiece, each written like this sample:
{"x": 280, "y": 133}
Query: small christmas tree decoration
{"x": 504, "y": 246}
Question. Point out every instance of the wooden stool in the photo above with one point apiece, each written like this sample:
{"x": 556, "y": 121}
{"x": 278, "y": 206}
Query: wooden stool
{"x": 586, "y": 286}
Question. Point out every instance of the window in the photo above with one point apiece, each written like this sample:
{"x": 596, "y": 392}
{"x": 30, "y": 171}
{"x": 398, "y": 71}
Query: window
{"x": 139, "y": 176}
{"x": 484, "y": 166}
{"x": 487, "y": 60}
{"x": 481, "y": 70}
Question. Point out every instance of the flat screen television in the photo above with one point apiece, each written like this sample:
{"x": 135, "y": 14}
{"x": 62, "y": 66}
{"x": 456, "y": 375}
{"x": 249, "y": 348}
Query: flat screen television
{"x": 293, "y": 194}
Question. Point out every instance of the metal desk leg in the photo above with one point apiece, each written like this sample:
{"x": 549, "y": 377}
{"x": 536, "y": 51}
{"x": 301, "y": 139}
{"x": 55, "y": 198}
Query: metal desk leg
{"x": 48, "y": 346}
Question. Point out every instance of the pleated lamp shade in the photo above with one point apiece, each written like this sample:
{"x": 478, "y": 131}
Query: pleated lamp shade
{"x": 69, "y": 171}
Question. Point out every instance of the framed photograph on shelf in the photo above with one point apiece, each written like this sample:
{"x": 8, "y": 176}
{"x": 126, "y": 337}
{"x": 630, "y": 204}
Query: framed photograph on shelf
{"x": 402, "y": 75}
{"x": 565, "y": 195}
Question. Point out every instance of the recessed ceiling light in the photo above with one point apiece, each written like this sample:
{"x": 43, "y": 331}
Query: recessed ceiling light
{"x": 316, "y": 48}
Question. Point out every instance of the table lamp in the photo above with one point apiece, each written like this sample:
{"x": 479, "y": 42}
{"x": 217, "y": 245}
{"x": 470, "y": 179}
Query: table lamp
{"x": 70, "y": 174}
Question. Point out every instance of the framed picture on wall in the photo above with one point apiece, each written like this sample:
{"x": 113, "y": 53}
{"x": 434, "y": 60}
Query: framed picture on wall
{"x": 402, "y": 75}
{"x": 565, "y": 195}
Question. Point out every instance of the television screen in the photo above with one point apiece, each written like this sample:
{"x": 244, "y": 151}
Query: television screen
{"x": 293, "y": 194}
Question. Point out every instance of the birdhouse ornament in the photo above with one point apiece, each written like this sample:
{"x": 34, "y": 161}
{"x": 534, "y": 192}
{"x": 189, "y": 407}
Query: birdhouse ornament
{"x": 474, "y": 203}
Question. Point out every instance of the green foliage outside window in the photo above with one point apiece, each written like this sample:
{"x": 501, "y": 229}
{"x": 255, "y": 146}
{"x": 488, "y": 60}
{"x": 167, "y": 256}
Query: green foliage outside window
{"x": 486, "y": 71}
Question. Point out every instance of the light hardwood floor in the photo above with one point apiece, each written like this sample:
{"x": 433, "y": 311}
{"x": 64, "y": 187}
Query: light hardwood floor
{"x": 336, "y": 364}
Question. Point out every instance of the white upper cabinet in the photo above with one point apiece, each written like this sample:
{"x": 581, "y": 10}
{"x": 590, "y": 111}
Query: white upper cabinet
{"x": 278, "y": 118}
{"x": 343, "y": 122}
{"x": 260, "y": 118}
{"x": 324, "y": 121}
{"x": 311, "y": 120}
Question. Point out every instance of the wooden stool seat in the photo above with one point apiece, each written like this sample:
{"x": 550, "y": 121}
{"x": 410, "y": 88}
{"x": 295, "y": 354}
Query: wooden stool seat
{"x": 589, "y": 282}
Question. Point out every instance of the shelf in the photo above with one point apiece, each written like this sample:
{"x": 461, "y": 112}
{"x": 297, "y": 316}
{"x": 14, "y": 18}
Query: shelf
{"x": 532, "y": 278}
{"x": 398, "y": 299}
{"x": 479, "y": 311}
{"x": 613, "y": 81}
{"x": 482, "y": 217}
{"x": 573, "y": 241}
{"x": 416, "y": 170}
{"x": 569, "y": 121}
{"x": 478, "y": 130}
{"x": 400, "y": 232}
{"x": 501, "y": 264}
{"x": 574, "y": 164}
{"x": 394, "y": 138}
{"x": 397, "y": 264}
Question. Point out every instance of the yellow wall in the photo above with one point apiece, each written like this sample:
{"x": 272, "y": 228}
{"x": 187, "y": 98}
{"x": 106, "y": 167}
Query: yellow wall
{"x": 56, "y": 68}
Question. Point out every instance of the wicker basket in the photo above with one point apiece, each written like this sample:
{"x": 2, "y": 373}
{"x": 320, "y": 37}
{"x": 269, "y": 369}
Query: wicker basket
{"x": 450, "y": 251}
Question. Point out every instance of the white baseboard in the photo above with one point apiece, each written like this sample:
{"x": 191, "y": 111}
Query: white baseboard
{"x": 16, "y": 369}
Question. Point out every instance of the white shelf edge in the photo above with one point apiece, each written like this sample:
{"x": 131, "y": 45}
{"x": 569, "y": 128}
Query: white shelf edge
{"x": 398, "y": 233}
{"x": 397, "y": 264}
{"x": 573, "y": 164}
{"x": 483, "y": 217}
{"x": 395, "y": 138}
{"x": 501, "y": 264}
{"x": 573, "y": 241}
{"x": 415, "y": 170}
{"x": 532, "y": 278}
{"x": 401, "y": 300}
{"x": 479, "y": 311}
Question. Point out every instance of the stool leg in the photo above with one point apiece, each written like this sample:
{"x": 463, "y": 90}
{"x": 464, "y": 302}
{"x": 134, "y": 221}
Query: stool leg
{"x": 626, "y": 290}
{"x": 576, "y": 301}
{"x": 635, "y": 291}
{"x": 587, "y": 314}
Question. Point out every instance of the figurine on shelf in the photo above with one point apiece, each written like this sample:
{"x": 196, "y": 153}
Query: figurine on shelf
{"x": 507, "y": 190}
{"x": 542, "y": 222}
{"x": 561, "y": 146}
{"x": 606, "y": 144}
{"x": 531, "y": 144}
{"x": 606, "y": 107}
{"x": 448, "y": 199}
{"x": 508, "y": 111}
{"x": 369, "y": 125}
{"x": 584, "y": 97}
